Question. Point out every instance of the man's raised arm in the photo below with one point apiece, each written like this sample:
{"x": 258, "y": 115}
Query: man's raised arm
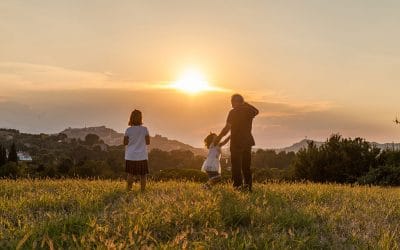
{"x": 253, "y": 109}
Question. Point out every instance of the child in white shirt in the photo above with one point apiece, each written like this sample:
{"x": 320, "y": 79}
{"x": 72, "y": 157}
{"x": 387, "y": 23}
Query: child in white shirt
{"x": 212, "y": 165}
{"x": 136, "y": 140}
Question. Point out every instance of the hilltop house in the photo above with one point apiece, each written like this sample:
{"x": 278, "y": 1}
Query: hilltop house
{"x": 24, "y": 156}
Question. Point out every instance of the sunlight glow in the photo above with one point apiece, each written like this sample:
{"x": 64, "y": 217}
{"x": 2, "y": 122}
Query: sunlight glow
{"x": 192, "y": 82}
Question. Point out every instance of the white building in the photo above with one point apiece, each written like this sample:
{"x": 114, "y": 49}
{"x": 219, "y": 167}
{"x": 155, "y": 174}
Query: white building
{"x": 24, "y": 156}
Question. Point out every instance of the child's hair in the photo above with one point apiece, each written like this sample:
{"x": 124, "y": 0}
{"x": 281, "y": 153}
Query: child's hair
{"x": 135, "y": 118}
{"x": 209, "y": 139}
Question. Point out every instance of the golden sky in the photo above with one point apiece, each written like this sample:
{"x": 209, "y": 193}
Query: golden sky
{"x": 312, "y": 67}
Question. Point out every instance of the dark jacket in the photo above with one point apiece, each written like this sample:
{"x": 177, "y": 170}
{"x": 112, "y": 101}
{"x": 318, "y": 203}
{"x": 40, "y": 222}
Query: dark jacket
{"x": 241, "y": 121}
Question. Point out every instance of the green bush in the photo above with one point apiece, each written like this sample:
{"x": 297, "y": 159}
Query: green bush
{"x": 10, "y": 169}
{"x": 181, "y": 174}
{"x": 339, "y": 160}
{"x": 388, "y": 175}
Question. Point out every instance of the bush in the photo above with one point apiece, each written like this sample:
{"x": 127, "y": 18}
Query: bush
{"x": 389, "y": 157}
{"x": 267, "y": 174}
{"x": 10, "y": 169}
{"x": 388, "y": 175}
{"x": 271, "y": 159}
{"x": 180, "y": 174}
{"x": 92, "y": 139}
{"x": 337, "y": 160}
{"x": 91, "y": 168}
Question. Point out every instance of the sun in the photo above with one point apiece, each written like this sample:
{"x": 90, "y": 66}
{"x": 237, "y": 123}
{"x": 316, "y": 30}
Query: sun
{"x": 192, "y": 81}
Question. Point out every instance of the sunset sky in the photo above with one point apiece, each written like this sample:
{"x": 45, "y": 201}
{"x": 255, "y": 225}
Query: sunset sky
{"x": 313, "y": 68}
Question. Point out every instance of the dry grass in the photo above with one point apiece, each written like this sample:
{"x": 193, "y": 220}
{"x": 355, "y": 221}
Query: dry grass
{"x": 100, "y": 214}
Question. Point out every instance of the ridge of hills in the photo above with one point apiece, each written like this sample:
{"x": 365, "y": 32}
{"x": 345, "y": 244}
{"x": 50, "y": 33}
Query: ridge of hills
{"x": 114, "y": 138}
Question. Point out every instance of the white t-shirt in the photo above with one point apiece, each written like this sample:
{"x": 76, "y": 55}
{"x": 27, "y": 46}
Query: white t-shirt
{"x": 212, "y": 163}
{"x": 136, "y": 150}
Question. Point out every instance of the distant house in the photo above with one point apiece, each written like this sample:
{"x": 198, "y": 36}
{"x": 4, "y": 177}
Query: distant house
{"x": 24, "y": 156}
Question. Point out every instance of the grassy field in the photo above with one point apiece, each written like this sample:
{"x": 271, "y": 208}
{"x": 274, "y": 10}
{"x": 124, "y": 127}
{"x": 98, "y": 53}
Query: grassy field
{"x": 101, "y": 214}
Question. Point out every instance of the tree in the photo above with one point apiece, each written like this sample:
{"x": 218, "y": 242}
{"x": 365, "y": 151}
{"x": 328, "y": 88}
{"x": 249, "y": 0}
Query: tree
{"x": 12, "y": 156}
{"x": 10, "y": 169}
{"x": 64, "y": 166}
{"x": 93, "y": 168}
{"x": 91, "y": 139}
{"x": 307, "y": 164}
{"x": 387, "y": 175}
{"x": 62, "y": 136}
{"x": 3, "y": 155}
{"x": 337, "y": 160}
{"x": 271, "y": 159}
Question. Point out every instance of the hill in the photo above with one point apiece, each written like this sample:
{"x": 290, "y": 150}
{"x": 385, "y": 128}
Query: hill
{"x": 113, "y": 138}
{"x": 298, "y": 145}
{"x": 303, "y": 144}
{"x": 100, "y": 214}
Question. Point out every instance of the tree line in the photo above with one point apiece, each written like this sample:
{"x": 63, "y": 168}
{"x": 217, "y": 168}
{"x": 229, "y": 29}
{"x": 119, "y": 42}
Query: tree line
{"x": 346, "y": 160}
{"x": 340, "y": 160}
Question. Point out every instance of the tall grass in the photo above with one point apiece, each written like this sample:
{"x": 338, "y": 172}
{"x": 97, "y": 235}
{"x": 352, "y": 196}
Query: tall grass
{"x": 101, "y": 214}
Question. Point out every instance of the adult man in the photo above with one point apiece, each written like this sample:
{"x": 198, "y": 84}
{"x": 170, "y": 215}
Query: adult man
{"x": 239, "y": 122}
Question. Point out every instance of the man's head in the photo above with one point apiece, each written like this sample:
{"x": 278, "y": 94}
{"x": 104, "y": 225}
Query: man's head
{"x": 237, "y": 100}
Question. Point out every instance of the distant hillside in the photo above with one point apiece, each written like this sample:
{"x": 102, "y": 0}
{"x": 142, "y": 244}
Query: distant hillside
{"x": 298, "y": 145}
{"x": 113, "y": 138}
{"x": 303, "y": 144}
{"x": 395, "y": 146}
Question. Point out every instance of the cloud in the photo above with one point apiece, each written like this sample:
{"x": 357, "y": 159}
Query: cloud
{"x": 36, "y": 77}
{"x": 180, "y": 116}
{"x": 39, "y": 98}
{"x": 281, "y": 109}
{"x": 284, "y": 124}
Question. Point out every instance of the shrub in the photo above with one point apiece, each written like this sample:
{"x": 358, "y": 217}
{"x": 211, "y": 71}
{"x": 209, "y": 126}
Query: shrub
{"x": 337, "y": 160}
{"x": 180, "y": 174}
{"x": 388, "y": 175}
{"x": 10, "y": 169}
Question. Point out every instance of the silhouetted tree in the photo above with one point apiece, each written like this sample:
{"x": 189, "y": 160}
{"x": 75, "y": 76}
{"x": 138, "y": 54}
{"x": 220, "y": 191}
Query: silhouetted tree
{"x": 337, "y": 160}
{"x": 91, "y": 139}
{"x": 64, "y": 167}
{"x": 3, "y": 155}
{"x": 62, "y": 136}
{"x": 12, "y": 155}
{"x": 10, "y": 169}
{"x": 387, "y": 175}
{"x": 270, "y": 159}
